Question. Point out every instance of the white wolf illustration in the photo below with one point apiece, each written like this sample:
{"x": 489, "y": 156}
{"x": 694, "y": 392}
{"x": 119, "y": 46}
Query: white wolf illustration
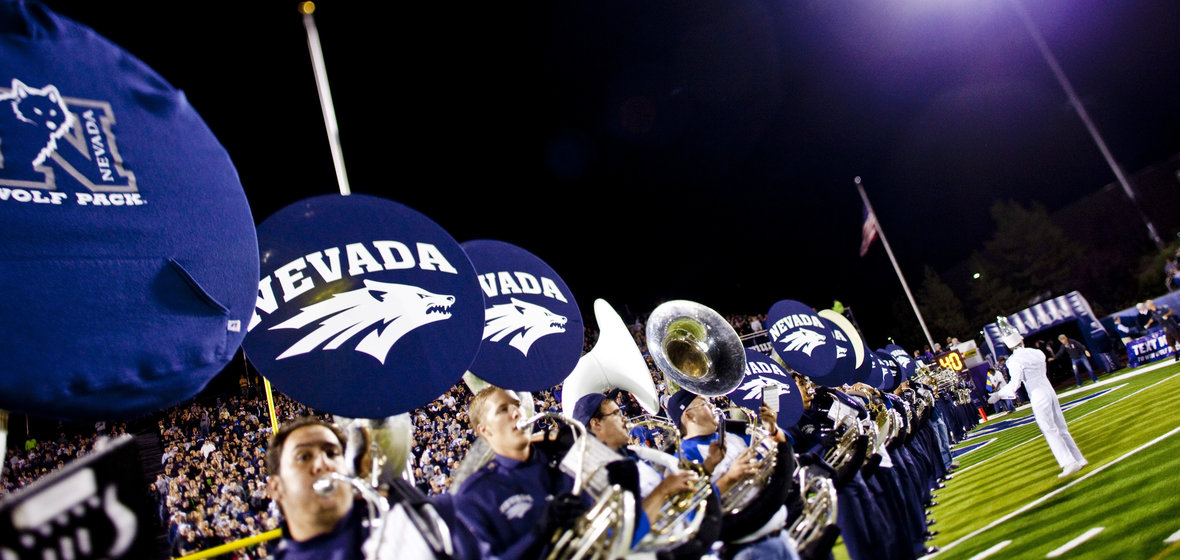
{"x": 45, "y": 119}
{"x": 803, "y": 340}
{"x": 399, "y": 307}
{"x": 753, "y": 388}
{"x": 531, "y": 320}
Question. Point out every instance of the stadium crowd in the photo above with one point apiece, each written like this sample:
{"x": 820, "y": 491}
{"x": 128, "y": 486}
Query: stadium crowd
{"x": 211, "y": 488}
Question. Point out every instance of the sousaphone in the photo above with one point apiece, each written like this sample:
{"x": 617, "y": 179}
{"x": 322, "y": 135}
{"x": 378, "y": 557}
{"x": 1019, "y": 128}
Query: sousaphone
{"x": 614, "y": 362}
{"x": 696, "y": 348}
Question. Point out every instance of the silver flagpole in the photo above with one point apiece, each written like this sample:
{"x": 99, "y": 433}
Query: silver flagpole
{"x": 860, "y": 188}
{"x": 321, "y": 82}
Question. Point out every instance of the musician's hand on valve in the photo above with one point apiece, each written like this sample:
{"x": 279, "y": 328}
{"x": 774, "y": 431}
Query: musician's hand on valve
{"x": 672, "y": 485}
{"x": 675, "y": 483}
{"x": 746, "y": 465}
{"x": 716, "y": 454}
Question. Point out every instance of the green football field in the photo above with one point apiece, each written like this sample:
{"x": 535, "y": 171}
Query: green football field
{"x": 1005, "y": 500}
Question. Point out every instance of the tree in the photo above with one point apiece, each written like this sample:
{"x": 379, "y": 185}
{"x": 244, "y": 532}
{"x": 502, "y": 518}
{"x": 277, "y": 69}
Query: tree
{"x": 990, "y": 295}
{"x": 1027, "y": 258}
{"x": 941, "y": 308}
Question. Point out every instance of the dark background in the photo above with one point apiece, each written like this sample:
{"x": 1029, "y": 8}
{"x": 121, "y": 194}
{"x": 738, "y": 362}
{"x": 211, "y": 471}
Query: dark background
{"x": 681, "y": 150}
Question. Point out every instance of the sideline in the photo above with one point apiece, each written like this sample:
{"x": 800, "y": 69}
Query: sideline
{"x": 1041, "y": 436}
{"x": 1055, "y": 492}
{"x": 1066, "y": 406}
{"x": 1109, "y": 380}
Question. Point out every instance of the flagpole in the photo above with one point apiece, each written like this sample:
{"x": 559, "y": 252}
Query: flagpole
{"x": 860, "y": 189}
{"x": 321, "y": 82}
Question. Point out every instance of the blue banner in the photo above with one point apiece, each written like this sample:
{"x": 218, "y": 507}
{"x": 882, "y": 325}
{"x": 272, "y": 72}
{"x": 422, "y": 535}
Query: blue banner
{"x": 1048, "y": 314}
{"x": 1148, "y": 348}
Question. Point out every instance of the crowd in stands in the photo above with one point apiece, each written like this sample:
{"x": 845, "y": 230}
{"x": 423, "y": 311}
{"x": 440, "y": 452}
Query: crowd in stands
{"x": 36, "y": 459}
{"x": 212, "y": 488}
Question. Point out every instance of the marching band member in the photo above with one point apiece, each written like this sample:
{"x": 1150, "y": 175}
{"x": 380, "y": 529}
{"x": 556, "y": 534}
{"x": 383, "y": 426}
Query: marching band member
{"x": 315, "y": 526}
{"x": 331, "y": 525}
{"x": 1027, "y": 367}
{"x": 604, "y": 420}
{"x": 729, "y": 461}
{"x": 516, "y": 502}
{"x": 862, "y": 522}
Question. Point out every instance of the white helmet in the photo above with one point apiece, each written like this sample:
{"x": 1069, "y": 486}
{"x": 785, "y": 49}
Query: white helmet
{"x": 1012, "y": 340}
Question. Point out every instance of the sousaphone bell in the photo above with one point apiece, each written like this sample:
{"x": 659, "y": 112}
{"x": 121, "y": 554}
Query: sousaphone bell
{"x": 614, "y": 362}
{"x": 696, "y": 348}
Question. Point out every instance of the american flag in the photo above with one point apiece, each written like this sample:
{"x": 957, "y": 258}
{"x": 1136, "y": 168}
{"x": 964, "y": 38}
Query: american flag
{"x": 868, "y": 230}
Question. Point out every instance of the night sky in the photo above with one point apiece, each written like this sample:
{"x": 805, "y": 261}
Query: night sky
{"x": 696, "y": 150}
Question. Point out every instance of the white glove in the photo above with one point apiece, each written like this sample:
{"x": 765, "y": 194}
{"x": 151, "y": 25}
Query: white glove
{"x": 992, "y": 398}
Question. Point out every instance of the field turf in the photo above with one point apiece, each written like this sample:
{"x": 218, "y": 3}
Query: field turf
{"x": 1005, "y": 500}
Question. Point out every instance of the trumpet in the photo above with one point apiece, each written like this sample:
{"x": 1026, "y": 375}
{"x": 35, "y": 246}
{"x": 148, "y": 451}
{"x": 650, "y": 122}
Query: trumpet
{"x": 848, "y": 455}
{"x": 378, "y": 452}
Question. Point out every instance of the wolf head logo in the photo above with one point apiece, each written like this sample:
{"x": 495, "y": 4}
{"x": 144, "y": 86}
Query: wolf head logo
{"x": 44, "y": 111}
{"x": 803, "y": 340}
{"x": 753, "y": 388}
{"x": 516, "y": 506}
{"x": 387, "y": 311}
{"x": 529, "y": 321}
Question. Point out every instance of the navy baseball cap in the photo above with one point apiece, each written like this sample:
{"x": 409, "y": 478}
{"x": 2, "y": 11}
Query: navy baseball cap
{"x": 587, "y": 407}
{"x": 678, "y": 403}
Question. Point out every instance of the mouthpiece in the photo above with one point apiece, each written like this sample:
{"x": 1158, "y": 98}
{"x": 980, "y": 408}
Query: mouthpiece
{"x": 325, "y": 485}
{"x": 522, "y": 424}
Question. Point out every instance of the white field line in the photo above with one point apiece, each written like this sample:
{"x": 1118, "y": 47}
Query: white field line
{"x": 1044, "y": 498}
{"x": 1174, "y": 538}
{"x": 1145, "y": 369}
{"x": 1074, "y": 543}
{"x": 994, "y": 549}
{"x": 1038, "y": 437}
{"x": 978, "y": 446}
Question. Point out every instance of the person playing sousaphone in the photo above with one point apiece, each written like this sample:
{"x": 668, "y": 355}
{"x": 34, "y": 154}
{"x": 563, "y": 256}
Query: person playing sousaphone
{"x": 659, "y": 478}
{"x": 315, "y": 524}
{"x": 322, "y": 518}
{"x": 757, "y": 531}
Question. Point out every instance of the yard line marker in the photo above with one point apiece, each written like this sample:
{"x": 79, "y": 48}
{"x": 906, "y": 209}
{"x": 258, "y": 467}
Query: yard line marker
{"x": 1044, "y": 498}
{"x": 994, "y": 549}
{"x": 1074, "y": 543}
{"x": 1174, "y": 538}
